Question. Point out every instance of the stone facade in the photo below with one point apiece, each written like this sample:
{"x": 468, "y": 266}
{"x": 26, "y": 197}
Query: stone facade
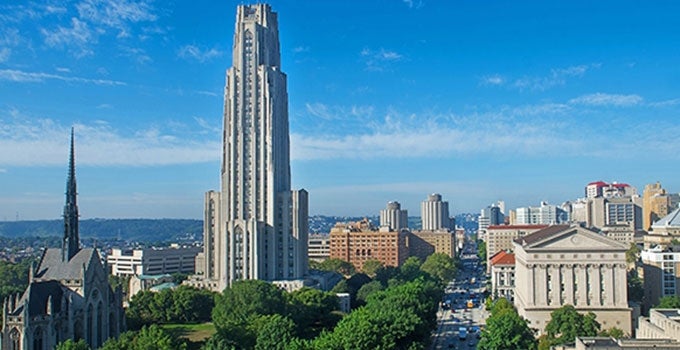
{"x": 500, "y": 238}
{"x": 425, "y": 243}
{"x": 357, "y": 242}
{"x": 661, "y": 324}
{"x": 503, "y": 275}
{"x": 564, "y": 264}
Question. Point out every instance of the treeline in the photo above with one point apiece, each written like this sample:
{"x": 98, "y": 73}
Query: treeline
{"x": 181, "y": 305}
{"x": 129, "y": 229}
{"x": 13, "y": 277}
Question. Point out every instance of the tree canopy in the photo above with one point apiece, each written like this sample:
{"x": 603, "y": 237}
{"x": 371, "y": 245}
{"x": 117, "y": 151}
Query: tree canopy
{"x": 440, "y": 266}
{"x": 184, "y": 304}
{"x": 669, "y": 302}
{"x": 148, "y": 338}
{"x": 566, "y": 324}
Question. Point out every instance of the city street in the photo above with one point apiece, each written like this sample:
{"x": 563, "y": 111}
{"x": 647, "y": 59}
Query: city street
{"x": 459, "y": 324}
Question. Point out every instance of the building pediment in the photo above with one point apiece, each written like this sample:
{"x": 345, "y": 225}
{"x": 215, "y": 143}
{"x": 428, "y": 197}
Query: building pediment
{"x": 572, "y": 238}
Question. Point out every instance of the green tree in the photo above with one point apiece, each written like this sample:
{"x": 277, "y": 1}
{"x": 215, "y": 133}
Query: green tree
{"x": 566, "y": 324}
{"x": 13, "y": 277}
{"x": 274, "y": 332}
{"x": 337, "y": 265}
{"x": 73, "y": 345}
{"x": 367, "y": 289}
{"x": 636, "y": 290}
{"x": 313, "y": 311}
{"x": 410, "y": 269}
{"x": 441, "y": 266}
{"x": 669, "y": 302}
{"x": 481, "y": 251}
{"x": 505, "y": 329}
{"x": 238, "y": 308}
{"x": 148, "y": 338}
{"x": 613, "y": 332}
{"x": 218, "y": 342}
{"x": 371, "y": 267}
{"x": 632, "y": 253}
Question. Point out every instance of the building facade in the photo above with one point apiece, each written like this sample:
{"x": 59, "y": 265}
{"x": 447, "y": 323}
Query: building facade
{"x": 425, "y": 243}
{"x": 68, "y": 294}
{"x": 545, "y": 214}
{"x": 394, "y": 217}
{"x": 152, "y": 261}
{"x": 435, "y": 213}
{"x": 357, "y": 242}
{"x": 564, "y": 264}
{"x": 255, "y": 227}
{"x": 501, "y": 237}
{"x": 661, "y": 271}
{"x": 661, "y": 324}
{"x": 503, "y": 275}
{"x": 319, "y": 247}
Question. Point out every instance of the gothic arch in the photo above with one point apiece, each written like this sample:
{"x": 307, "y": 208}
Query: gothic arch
{"x": 100, "y": 324}
{"x": 15, "y": 339}
{"x": 88, "y": 323}
{"x": 38, "y": 338}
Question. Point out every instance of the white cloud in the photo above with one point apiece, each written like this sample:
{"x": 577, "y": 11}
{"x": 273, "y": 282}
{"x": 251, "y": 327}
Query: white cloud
{"x": 196, "y": 53}
{"x": 492, "y": 80}
{"x": 557, "y": 77}
{"x": 666, "y": 103}
{"x": 300, "y": 49}
{"x": 5, "y": 52}
{"x": 602, "y": 99}
{"x": 36, "y": 77}
{"x": 118, "y": 14}
{"x": 379, "y": 60}
{"x": 39, "y": 142}
{"x": 77, "y": 38}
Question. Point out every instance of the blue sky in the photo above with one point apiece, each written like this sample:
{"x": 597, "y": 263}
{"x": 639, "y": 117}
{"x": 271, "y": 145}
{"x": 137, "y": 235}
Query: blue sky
{"x": 389, "y": 100}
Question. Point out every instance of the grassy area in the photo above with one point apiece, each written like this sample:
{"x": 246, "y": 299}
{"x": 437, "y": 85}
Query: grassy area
{"x": 195, "y": 334}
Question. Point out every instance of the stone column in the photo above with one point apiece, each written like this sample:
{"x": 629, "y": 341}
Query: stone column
{"x": 568, "y": 275}
{"x": 555, "y": 297}
{"x": 581, "y": 277}
{"x": 620, "y": 286}
{"x": 542, "y": 285}
{"x": 595, "y": 284}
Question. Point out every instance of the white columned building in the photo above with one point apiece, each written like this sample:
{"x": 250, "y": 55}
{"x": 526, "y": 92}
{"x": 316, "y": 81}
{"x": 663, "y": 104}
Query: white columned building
{"x": 255, "y": 227}
{"x": 563, "y": 264}
{"x": 394, "y": 217}
{"x": 435, "y": 213}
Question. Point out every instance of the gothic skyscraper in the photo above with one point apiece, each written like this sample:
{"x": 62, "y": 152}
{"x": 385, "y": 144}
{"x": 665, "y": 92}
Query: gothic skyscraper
{"x": 255, "y": 227}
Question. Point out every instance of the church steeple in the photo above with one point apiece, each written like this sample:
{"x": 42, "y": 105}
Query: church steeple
{"x": 71, "y": 241}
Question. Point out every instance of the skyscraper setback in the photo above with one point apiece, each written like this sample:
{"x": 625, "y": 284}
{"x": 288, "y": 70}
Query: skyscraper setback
{"x": 255, "y": 227}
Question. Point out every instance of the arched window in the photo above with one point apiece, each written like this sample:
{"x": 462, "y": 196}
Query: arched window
{"x": 38, "y": 338}
{"x": 100, "y": 321}
{"x": 15, "y": 339}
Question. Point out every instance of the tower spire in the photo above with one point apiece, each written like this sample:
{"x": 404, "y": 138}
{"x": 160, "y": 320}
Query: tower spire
{"x": 71, "y": 241}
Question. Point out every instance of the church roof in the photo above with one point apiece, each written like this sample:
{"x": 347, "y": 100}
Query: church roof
{"x": 672, "y": 219}
{"x": 52, "y": 267}
{"x": 37, "y": 295}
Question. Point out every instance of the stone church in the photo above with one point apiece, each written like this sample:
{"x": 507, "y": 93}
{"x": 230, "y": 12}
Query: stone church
{"x": 68, "y": 294}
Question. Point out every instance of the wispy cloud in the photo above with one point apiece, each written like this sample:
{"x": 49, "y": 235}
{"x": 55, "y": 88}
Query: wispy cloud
{"x": 77, "y": 38}
{"x": 331, "y": 113}
{"x": 412, "y": 4}
{"x": 300, "y": 49}
{"x": 556, "y": 77}
{"x": 666, "y": 103}
{"x": 37, "y": 77}
{"x": 602, "y": 99}
{"x": 379, "y": 60}
{"x": 116, "y": 14}
{"x": 193, "y": 52}
{"x": 39, "y": 142}
{"x": 495, "y": 79}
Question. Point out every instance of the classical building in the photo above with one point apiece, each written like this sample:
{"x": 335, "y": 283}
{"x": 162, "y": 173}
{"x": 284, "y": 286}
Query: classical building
{"x": 319, "y": 247}
{"x": 68, "y": 294}
{"x": 424, "y": 243}
{"x": 607, "y": 343}
{"x": 435, "y": 213}
{"x": 564, "y": 264}
{"x": 503, "y": 275}
{"x": 255, "y": 227}
{"x": 661, "y": 271}
{"x": 357, "y": 242}
{"x": 661, "y": 324}
{"x": 153, "y": 261}
{"x": 139, "y": 283}
{"x": 394, "y": 217}
{"x": 500, "y": 238}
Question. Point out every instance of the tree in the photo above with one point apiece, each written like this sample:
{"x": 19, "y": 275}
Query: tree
{"x": 632, "y": 253}
{"x": 337, "y": 265}
{"x": 669, "y": 302}
{"x": 441, "y": 266}
{"x": 566, "y": 324}
{"x": 371, "y": 267}
{"x": 313, "y": 311}
{"x": 481, "y": 251}
{"x": 240, "y": 305}
{"x": 274, "y": 332}
{"x": 73, "y": 345}
{"x": 410, "y": 269}
{"x": 148, "y": 338}
{"x": 505, "y": 329}
{"x": 635, "y": 289}
{"x": 367, "y": 289}
{"x": 614, "y": 332}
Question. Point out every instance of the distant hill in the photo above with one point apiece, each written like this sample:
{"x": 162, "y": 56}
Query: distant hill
{"x": 126, "y": 229}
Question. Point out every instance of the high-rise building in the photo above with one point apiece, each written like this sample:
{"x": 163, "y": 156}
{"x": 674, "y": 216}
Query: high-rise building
{"x": 656, "y": 203}
{"x": 255, "y": 227}
{"x": 357, "y": 242}
{"x": 435, "y": 213}
{"x": 394, "y": 217}
{"x": 545, "y": 214}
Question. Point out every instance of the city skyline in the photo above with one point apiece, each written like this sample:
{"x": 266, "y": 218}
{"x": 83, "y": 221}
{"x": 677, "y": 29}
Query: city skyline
{"x": 390, "y": 100}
